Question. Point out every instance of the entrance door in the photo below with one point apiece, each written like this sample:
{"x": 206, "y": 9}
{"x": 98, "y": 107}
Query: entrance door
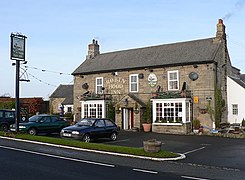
{"x": 127, "y": 118}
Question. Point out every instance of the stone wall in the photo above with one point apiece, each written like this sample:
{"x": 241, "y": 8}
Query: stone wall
{"x": 172, "y": 129}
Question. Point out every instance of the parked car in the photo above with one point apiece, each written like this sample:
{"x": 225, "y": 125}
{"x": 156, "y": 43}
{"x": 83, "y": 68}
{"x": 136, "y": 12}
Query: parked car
{"x": 91, "y": 128}
{"x": 7, "y": 117}
{"x": 43, "y": 123}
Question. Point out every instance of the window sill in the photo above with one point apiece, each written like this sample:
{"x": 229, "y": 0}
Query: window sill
{"x": 168, "y": 124}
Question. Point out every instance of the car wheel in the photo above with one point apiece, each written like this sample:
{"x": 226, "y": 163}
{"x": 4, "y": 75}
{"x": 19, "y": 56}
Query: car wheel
{"x": 32, "y": 131}
{"x": 113, "y": 136}
{"x": 86, "y": 138}
{"x": 4, "y": 127}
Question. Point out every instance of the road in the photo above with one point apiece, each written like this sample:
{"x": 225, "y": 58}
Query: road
{"x": 26, "y": 164}
{"x": 33, "y": 161}
{"x": 215, "y": 152}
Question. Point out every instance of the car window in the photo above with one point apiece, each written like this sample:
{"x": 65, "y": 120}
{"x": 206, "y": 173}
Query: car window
{"x": 34, "y": 118}
{"x": 100, "y": 123}
{"x": 85, "y": 122}
{"x": 45, "y": 119}
{"x": 1, "y": 114}
{"x": 9, "y": 114}
{"x": 54, "y": 118}
{"x": 108, "y": 122}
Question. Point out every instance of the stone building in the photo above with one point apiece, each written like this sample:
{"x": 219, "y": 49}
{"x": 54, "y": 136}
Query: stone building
{"x": 180, "y": 80}
{"x": 61, "y": 100}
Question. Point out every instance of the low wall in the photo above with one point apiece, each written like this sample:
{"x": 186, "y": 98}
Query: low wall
{"x": 172, "y": 129}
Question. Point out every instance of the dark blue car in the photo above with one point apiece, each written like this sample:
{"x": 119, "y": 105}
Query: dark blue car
{"x": 91, "y": 128}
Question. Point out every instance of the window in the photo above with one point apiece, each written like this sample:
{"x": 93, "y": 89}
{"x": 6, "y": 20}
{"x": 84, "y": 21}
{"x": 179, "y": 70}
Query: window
{"x": 235, "y": 109}
{"x": 9, "y": 114}
{"x": 173, "y": 80}
{"x": 69, "y": 109}
{"x": 100, "y": 123}
{"x": 133, "y": 83}
{"x": 108, "y": 123}
{"x": 93, "y": 109}
{"x": 46, "y": 119}
{"x": 99, "y": 85}
{"x": 171, "y": 111}
{"x": 54, "y": 118}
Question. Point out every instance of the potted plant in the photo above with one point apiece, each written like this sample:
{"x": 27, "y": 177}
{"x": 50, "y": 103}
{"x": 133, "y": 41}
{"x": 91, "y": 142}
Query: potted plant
{"x": 147, "y": 117}
{"x": 196, "y": 125}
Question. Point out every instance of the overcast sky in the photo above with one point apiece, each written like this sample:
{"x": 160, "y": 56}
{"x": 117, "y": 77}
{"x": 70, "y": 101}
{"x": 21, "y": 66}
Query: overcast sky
{"x": 59, "y": 31}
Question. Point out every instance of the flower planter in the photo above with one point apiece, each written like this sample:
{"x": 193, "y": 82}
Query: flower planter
{"x": 152, "y": 146}
{"x": 146, "y": 127}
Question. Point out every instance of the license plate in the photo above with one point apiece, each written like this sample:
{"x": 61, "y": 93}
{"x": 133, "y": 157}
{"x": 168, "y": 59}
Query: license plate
{"x": 67, "y": 135}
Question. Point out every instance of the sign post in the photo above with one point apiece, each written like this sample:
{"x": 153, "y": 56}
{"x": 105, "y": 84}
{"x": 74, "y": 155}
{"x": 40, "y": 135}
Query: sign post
{"x": 17, "y": 52}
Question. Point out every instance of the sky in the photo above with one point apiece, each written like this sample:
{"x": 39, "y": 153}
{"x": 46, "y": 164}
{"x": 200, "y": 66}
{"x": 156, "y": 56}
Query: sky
{"x": 58, "y": 33}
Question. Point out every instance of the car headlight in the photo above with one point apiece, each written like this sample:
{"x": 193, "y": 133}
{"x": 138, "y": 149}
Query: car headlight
{"x": 62, "y": 131}
{"x": 75, "y": 132}
{"x": 22, "y": 127}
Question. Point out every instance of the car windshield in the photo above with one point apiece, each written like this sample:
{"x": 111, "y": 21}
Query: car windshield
{"x": 86, "y": 122}
{"x": 34, "y": 119}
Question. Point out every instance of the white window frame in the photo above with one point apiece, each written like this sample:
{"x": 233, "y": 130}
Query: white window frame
{"x": 133, "y": 83}
{"x": 99, "y": 85}
{"x": 173, "y": 80}
{"x": 185, "y": 114}
{"x": 94, "y": 106}
{"x": 235, "y": 109}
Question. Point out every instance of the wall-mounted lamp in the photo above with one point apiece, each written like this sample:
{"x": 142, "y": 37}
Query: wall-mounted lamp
{"x": 126, "y": 102}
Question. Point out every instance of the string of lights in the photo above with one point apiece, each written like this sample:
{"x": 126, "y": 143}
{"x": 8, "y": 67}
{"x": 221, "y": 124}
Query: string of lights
{"x": 41, "y": 80}
{"x": 45, "y": 70}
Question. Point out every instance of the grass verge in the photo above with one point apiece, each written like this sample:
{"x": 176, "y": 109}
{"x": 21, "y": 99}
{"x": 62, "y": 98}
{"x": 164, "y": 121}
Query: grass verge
{"x": 94, "y": 146}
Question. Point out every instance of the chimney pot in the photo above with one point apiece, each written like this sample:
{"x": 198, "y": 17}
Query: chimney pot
{"x": 220, "y": 21}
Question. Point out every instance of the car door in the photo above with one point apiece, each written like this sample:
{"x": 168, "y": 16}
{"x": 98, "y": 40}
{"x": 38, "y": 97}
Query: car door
{"x": 55, "y": 124}
{"x": 98, "y": 129}
{"x": 110, "y": 127}
{"x": 44, "y": 124}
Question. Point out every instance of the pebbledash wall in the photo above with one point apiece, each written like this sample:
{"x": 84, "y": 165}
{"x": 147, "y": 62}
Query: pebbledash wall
{"x": 178, "y": 91}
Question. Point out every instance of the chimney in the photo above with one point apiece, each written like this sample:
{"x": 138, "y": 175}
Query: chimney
{"x": 93, "y": 49}
{"x": 220, "y": 34}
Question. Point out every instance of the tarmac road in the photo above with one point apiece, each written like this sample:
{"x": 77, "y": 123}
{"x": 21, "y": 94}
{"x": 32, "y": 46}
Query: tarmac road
{"x": 199, "y": 149}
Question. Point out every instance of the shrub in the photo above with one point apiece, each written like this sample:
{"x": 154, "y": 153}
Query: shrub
{"x": 243, "y": 122}
{"x": 196, "y": 123}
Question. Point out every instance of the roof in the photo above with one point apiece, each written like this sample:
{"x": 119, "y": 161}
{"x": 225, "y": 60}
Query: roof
{"x": 240, "y": 81}
{"x": 190, "y": 52}
{"x": 242, "y": 76}
{"x": 64, "y": 91}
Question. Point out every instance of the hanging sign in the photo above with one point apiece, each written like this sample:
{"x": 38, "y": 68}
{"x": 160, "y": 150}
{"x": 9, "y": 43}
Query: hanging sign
{"x": 17, "y": 51}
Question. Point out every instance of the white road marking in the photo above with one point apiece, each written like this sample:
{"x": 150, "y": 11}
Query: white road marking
{"x": 194, "y": 150}
{"x": 146, "y": 171}
{"x": 196, "y": 178}
{"x": 59, "y": 157}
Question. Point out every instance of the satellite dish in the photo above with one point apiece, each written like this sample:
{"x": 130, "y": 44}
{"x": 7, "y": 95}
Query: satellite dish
{"x": 193, "y": 76}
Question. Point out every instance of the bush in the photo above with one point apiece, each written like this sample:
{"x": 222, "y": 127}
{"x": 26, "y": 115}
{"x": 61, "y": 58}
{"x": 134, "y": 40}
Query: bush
{"x": 243, "y": 122}
{"x": 196, "y": 123}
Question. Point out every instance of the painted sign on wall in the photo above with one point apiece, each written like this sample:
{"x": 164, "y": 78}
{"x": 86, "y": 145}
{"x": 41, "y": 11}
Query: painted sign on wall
{"x": 115, "y": 85}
